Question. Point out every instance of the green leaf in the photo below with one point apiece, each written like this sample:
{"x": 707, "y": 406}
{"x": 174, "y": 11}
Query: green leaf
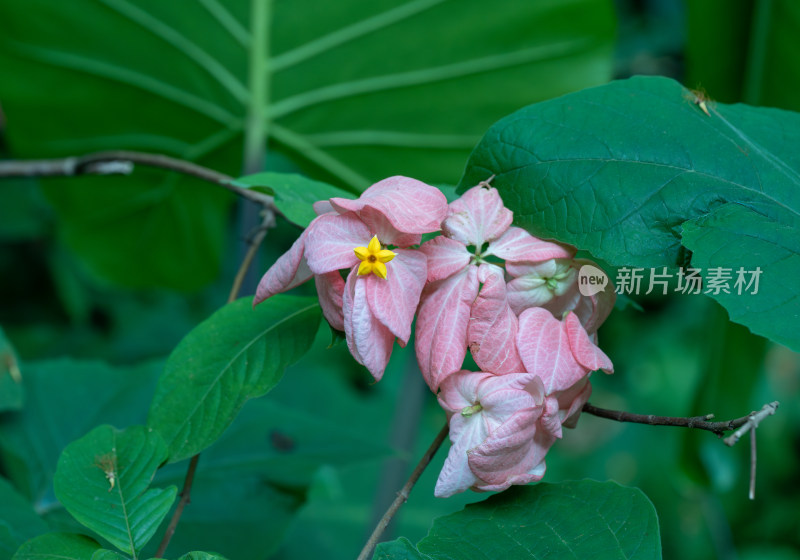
{"x": 18, "y": 521}
{"x": 11, "y": 391}
{"x": 624, "y": 170}
{"x": 58, "y": 546}
{"x": 202, "y": 556}
{"x": 294, "y": 194}
{"x": 108, "y": 555}
{"x": 237, "y": 354}
{"x": 586, "y": 519}
{"x": 64, "y": 400}
{"x": 347, "y": 91}
{"x": 102, "y": 479}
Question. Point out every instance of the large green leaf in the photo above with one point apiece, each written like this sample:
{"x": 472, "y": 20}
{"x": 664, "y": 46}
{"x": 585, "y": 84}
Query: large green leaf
{"x": 102, "y": 479}
{"x": 18, "y": 521}
{"x": 349, "y": 91}
{"x": 586, "y": 519}
{"x": 630, "y": 170}
{"x": 238, "y": 353}
{"x": 58, "y": 546}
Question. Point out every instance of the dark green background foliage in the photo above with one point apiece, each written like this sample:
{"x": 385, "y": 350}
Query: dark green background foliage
{"x": 112, "y": 289}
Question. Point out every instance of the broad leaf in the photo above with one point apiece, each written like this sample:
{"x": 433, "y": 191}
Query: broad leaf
{"x": 294, "y": 194}
{"x": 201, "y": 556}
{"x": 11, "y": 392}
{"x": 586, "y": 519}
{"x": 18, "y": 521}
{"x": 625, "y": 170}
{"x": 237, "y": 354}
{"x": 351, "y": 92}
{"x": 58, "y": 546}
{"x": 102, "y": 479}
{"x": 64, "y": 400}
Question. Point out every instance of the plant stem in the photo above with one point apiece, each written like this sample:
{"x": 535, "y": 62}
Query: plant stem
{"x": 255, "y": 243}
{"x": 402, "y": 495}
{"x": 116, "y": 162}
{"x": 699, "y": 422}
{"x": 185, "y": 499}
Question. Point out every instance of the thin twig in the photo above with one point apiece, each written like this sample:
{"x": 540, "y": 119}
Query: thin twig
{"x": 185, "y": 499}
{"x": 698, "y": 422}
{"x": 402, "y": 495}
{"x": 752, "y": 421}
{"x": 255, "y": 243}
{"x": 268, "y": 221}
{"x": 116, "y": 162}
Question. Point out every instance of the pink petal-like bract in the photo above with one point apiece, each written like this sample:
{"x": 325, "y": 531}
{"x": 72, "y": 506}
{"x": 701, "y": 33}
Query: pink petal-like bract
{"x": 492, "y": 333}
{"x": 460, "y": 390}
{"x": 493, "y": 431}
{"x": 330, "y": 290}
{"x": 516, "y": 244}
{"x": 511, "y": 454}
{"x": 378, "y": 224}
{"x": 411, "y": 206}
{"x": 445, "y": 257}
{"x": 586, "y": 353}
{"x": 331, "y": 240}
{"x": 466, "y": 432}
{"x": 394, "y": 300}
{"x": 477, "y": 217}
{"x": 544, "y": 347}
{"x": 289, "y": 270}
{"x": 368, "y": 340}
{"x": 442, "y": 321}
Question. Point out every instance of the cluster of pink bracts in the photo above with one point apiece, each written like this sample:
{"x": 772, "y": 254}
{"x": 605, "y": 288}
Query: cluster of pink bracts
{"x": 508, "y": 297}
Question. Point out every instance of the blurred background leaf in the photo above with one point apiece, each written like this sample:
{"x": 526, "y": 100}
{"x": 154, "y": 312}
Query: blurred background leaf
{"x": 347, "y": 92}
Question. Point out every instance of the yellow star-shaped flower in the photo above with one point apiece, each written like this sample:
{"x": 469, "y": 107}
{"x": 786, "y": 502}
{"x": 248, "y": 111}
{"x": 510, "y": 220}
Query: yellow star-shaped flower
{"x": 373, "y": 258}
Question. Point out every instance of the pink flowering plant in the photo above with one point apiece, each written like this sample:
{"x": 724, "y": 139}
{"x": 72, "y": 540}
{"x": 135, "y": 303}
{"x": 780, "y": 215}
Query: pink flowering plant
{"x": 535, "y": 357}
{"x": 480, "y": 309}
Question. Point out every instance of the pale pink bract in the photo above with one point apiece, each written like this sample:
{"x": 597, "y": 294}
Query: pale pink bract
{"x": 455, "y": 312}
{"x": 372, "y": 311}
{"x": 493, "y": 431}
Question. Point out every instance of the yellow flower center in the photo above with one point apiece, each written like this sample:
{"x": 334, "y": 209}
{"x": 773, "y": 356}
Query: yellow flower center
{"x": 373, "y": 257}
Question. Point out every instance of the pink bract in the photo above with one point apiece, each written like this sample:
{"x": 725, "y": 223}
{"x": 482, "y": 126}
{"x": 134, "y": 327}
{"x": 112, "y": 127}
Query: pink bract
{"x": 486, "y": 324}
{"x": 372, "y": 311}
{"x": 493, "y": 431}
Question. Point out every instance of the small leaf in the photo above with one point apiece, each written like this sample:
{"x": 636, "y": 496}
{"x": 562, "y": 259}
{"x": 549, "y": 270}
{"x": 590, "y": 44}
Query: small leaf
{"x": 58, "y": 546}
{"x": 11, "y": 392}
{"x": 626, "y": 169}
{"x": 237, "y": 354}
{"x": 294, "y": 194}
{"x": 102, "y": 480}
{"x": 584, "y": 519}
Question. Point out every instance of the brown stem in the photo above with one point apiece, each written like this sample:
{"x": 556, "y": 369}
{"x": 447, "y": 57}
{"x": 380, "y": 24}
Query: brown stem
{"x": 115, "y": 162}
{"x": 185, "y": 499}
{"x": 255, "y": 243}
{"x": 402, "y": 495}
{"x": 699, "y": 422}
